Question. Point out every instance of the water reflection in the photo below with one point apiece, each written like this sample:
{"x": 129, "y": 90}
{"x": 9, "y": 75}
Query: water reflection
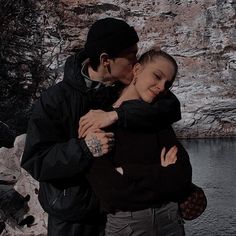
{"x": 214, "y": 169}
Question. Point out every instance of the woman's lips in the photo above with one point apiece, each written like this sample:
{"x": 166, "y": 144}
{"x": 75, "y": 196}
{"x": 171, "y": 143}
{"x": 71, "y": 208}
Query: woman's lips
{"x": 154, "y": 94}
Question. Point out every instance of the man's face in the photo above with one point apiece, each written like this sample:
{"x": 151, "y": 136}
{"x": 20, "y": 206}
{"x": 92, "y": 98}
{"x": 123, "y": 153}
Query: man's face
{"x": 121, "y": 67}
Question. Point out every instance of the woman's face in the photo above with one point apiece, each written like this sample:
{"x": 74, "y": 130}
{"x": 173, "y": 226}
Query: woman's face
{"x": 152, "y": 77}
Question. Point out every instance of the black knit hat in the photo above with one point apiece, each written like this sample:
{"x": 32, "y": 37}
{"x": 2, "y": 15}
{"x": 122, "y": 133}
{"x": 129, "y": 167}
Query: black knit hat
{"x": 111, "y": 36}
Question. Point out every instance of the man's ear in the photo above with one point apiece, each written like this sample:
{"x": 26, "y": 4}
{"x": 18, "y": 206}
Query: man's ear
{"x": 104, "y": 60}
{"x": 137, "y": 69}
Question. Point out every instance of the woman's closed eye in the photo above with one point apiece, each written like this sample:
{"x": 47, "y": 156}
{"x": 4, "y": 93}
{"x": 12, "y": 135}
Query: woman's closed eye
{"x": 157, "y": 77}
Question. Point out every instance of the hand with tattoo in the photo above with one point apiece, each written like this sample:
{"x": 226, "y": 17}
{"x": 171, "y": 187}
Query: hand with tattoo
{"x": 99, "y": 142}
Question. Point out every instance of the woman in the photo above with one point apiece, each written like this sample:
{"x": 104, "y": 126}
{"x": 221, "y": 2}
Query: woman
{"x": 138, "y": 182}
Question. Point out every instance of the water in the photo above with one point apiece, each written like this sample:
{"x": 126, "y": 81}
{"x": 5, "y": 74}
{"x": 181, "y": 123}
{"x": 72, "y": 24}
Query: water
{"x": 214, "y": 169}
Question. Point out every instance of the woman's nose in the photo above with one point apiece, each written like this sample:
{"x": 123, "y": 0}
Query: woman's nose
{"x": 161, "y": 85}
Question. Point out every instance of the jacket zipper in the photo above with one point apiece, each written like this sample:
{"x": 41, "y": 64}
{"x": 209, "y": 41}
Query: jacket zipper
{"x": 54, "y": 201}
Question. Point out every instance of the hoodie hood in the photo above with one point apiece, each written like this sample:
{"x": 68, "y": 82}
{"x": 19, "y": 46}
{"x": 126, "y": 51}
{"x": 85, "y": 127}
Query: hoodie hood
{"x": 72, "y": 71}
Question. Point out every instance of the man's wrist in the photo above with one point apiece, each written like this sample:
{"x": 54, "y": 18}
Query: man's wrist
{"x": 85, "y": 148}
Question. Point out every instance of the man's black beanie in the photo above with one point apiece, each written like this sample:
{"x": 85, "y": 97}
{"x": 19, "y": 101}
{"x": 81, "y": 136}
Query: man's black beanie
{"x": 111, "y": 36}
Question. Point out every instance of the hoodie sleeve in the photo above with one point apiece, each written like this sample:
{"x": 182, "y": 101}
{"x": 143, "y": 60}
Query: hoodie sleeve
{"x": 176, "y": 178}
{"x": 124, "y": 192}
{"x": 49, "y": 154}
{"x": 139, "y": 114}
{"x": 172, "y": 182}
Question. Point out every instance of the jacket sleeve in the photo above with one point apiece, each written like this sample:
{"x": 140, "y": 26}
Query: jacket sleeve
{"x": 162, "y": 112}
{"x": 49, "y": 154}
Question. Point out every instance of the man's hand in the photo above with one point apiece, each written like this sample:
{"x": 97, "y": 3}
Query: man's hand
{"x": 99, "y": 142}
{"x": 96, "y": 119}
{"x": 169, "y": 157}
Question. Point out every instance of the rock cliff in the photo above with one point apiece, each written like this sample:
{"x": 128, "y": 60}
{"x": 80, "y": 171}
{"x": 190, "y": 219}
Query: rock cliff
{"x": 37, "y": 36}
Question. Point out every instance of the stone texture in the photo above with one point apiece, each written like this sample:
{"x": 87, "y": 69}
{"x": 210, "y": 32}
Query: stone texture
{"x": 11, "y": 173}
{"x": 37, "y": 36}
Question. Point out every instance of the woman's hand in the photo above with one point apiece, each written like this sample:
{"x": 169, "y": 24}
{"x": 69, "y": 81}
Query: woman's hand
{"x": 170, "y": 157}
{"x": 96, "y": 119}
{"x": 120, "y": 170}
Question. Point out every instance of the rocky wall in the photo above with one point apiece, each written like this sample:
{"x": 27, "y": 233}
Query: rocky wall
{"x": 37, "y": 36}
{"x": 14, "y": 177}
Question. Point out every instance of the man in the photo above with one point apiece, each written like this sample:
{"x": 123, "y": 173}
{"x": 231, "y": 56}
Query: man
{"x": 54, "y": 155}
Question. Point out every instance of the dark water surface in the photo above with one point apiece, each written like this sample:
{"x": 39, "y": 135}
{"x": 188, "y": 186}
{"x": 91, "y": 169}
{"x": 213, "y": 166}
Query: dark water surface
{"x": 214, "y": 169}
